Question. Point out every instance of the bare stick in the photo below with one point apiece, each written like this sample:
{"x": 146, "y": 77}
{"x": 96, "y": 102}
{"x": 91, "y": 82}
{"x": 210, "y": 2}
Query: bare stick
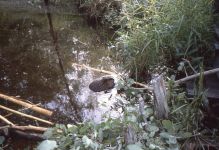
{"x": 205, "y": 73}
{"x": 26, "y": 128}
{"x": 20, "y": 110}
{"x": 94, "y": 69}
{"x": 6, "y": 120}
{"x": 22, "y": 103}
{"x": 25, "y": 115}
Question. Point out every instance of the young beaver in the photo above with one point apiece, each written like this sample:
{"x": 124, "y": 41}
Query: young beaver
{"x": 102, "y": 84}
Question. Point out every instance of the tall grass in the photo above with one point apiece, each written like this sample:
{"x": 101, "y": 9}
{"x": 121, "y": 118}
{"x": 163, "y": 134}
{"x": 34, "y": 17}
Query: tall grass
{"x": 154, "y": 32}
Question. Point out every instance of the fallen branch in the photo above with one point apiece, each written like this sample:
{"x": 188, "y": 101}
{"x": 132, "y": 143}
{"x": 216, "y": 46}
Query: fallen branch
{"x": 22, "y": 103}
{"x": 6, "y": 120}
{"x": 20, "y": 110}
{"x": 205, "y": 73}
{"x": 26, "y": 128}
{"x": 25, "y": 115}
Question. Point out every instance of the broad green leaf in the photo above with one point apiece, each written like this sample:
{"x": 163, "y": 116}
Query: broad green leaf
{"x": 47, "y": 145}
{"x": 133, "y": 147}
{"x": 167, "y": 124}
{"x": 86, "y": 141}
{"x": 72, "y": 128}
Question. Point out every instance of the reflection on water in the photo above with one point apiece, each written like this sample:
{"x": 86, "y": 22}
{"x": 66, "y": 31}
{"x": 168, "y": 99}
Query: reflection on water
{"x": 30, "y": 66}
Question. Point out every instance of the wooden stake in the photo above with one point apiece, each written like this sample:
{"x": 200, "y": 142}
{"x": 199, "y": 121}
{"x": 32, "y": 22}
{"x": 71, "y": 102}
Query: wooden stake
{"x": 25, "y": 115}
{"x": 22, "y": 103}
{"x": 160, "y": 98}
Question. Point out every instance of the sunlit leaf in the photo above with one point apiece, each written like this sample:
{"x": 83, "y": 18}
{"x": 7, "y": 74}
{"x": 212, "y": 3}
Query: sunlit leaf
{"x": 133, "y": 147}
{"x": 47, "y": 145}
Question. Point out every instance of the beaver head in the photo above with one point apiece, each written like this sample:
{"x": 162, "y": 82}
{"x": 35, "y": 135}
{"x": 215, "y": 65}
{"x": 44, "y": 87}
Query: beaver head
{"x": 102, "y": 84}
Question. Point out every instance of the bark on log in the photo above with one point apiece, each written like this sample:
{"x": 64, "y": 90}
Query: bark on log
{"x": 160, "y": 98}
{"x": 22, "y": 103}
{"x": 25, "y": 115}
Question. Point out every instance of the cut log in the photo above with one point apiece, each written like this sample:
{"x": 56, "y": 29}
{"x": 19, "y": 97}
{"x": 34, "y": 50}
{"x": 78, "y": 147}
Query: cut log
{"x": 25, "y": 115}
{"x": 160, "y": 98}
{"x": 28, "y": 105}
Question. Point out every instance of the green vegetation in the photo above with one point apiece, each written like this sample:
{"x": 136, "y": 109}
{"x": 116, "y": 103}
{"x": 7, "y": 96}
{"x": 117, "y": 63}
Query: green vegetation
{"x": 136, "y": 129}
{"x": 152, "y": 33}
{"x": 101, "y": 11}
{"x": 160, "y": 31}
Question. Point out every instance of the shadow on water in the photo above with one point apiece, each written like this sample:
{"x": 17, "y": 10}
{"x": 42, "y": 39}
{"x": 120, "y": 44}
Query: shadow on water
{"x": 37, "y": 49}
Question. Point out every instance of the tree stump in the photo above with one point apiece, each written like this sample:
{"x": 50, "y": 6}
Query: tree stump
{"x": 160, "y": 98}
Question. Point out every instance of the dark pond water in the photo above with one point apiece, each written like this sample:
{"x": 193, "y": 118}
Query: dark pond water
{"x": 37, "y": 50}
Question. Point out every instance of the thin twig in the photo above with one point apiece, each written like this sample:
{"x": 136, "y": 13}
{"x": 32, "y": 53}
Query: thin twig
{"x": 6, "y": 120}
{"x": 189, "y": 65}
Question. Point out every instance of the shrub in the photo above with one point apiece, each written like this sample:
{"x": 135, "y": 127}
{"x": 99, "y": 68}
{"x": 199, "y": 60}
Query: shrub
{"x": 159, "y": 31}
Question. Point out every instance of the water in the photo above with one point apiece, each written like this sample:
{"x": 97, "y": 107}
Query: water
{"x": 37, "y": 51}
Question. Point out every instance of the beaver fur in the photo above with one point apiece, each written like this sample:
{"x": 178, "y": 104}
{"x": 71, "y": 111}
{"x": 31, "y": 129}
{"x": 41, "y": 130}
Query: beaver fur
{"x": 102, "y": 84}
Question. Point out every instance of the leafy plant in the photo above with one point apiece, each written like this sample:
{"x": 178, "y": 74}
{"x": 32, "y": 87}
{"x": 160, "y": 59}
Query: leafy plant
{"x": 101, "y": 11}
{"x": 154, "y": 32}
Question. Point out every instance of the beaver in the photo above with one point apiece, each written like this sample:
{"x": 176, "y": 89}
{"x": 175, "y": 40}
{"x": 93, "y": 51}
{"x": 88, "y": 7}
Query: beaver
{"x": 104, "y": 83}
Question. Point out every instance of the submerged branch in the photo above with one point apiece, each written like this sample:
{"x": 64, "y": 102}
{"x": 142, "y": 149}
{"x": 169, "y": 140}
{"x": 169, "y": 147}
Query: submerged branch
{"x": 25, "y": 115}
{"x": 26, "y": 128}
{"x": 28, "y": 105}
